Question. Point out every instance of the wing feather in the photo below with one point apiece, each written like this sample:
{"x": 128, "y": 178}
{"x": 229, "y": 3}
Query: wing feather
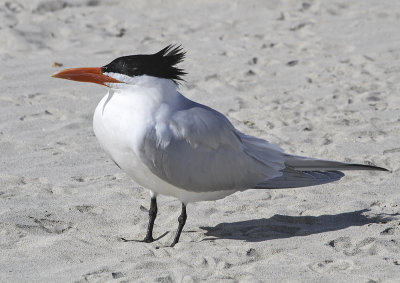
{"x": 200, "y": 150}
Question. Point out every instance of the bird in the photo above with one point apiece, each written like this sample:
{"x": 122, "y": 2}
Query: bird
{"x": 177, "y": 147}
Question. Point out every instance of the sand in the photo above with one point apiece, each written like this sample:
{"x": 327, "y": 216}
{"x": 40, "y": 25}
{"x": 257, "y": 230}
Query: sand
{"x": 318, "y": 78}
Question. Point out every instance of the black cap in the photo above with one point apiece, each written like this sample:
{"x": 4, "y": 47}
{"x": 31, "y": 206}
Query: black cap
{"x": 161, "y": 64}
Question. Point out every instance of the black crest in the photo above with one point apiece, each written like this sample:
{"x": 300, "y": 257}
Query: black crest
{"x": 161, "y": 64}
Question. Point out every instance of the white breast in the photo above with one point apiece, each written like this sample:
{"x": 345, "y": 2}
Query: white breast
{"x": 119, "y": 126}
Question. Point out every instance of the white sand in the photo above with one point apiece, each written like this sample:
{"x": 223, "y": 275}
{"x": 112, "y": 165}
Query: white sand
{"x": 64, "y": 205}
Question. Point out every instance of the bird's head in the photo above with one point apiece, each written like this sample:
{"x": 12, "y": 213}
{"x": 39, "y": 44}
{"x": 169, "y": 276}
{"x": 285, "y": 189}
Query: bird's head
{"x": 124, "y": 70}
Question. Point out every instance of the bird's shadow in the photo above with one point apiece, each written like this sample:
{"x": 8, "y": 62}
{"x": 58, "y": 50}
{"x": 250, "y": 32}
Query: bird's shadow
{"x": 283, "y": 226}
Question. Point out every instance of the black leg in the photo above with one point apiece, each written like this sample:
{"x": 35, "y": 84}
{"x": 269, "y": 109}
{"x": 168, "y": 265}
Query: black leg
{"x": 182, "y": 221}
{"x": 152, "y": 217}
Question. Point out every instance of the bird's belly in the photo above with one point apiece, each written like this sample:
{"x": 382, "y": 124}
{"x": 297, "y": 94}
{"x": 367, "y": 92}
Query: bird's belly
{"x": 117, "y": 135}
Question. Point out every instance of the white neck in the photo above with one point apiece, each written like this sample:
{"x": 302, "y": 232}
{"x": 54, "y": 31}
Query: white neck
{"x": 143, "y": 81}
{"x": 134, "y": 108}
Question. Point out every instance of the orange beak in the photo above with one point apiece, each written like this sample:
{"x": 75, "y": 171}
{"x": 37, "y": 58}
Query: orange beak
{"x": 91, "y": 75}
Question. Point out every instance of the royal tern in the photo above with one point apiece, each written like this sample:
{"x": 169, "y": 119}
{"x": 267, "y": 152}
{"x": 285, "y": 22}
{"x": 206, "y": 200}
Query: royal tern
{"x": 174, "y": 146}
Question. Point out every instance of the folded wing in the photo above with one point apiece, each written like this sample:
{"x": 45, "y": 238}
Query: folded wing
{"x": 303, "y": 172}
{"x": 199, "y": 150}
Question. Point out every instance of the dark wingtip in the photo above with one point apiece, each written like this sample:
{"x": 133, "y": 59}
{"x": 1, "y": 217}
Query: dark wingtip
{"x": 371, "y": 167}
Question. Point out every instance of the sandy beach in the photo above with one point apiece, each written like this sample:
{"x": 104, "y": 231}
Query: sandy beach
{"x": 318, "y": 78}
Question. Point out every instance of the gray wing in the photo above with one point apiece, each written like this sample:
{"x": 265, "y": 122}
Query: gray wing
{"x": 304, "y": 171}
{"x": 295, "y": 179}
{"x": 199, "y": 150}
{"x": 301, "y": 163}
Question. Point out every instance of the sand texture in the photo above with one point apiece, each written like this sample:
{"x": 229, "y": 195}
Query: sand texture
{"x": 318, "y": 78}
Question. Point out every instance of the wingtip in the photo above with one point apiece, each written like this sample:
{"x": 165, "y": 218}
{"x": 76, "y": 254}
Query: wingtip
{"x": 387, "y": 170}
{"x": 372, "y": 167}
